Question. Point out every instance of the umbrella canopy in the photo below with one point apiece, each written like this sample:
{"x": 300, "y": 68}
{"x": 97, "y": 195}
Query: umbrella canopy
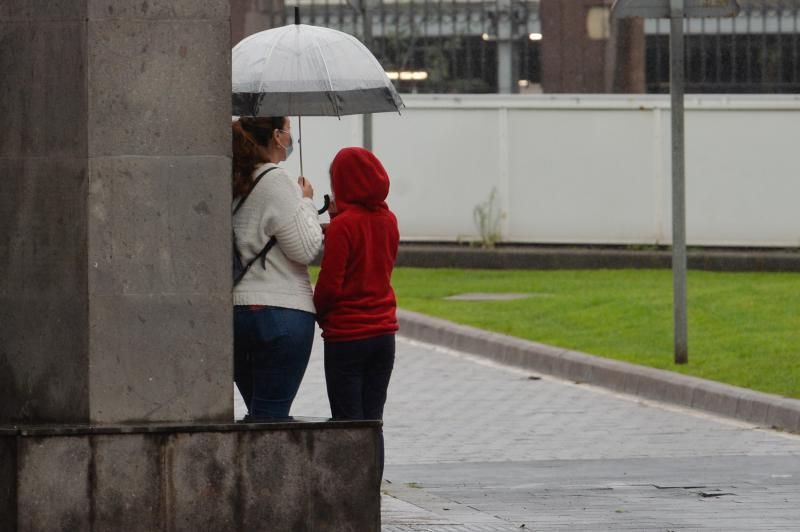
{"x": 302, "y": 70}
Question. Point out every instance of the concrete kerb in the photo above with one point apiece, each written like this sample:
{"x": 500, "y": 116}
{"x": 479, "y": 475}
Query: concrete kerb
{"x": 552, "y": 257}
{"x": 730, "y": 401}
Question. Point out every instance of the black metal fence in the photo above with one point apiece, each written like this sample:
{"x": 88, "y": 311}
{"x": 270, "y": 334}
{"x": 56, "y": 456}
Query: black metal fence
{"x": 451, "y": 46}
{"x": 757, "y": 52}
{"x": 439, "y": 46}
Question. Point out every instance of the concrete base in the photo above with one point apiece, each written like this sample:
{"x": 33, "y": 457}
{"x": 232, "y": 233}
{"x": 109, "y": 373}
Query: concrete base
{"x": 303, "y": 475}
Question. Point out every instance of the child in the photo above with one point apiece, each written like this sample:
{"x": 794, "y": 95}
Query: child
{"x": 356, "y": 306}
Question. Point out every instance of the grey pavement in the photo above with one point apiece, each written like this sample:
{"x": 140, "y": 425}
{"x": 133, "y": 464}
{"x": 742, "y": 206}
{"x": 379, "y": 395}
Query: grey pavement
{"x": 472, "y": 445}
{"x": 648, "y": 383}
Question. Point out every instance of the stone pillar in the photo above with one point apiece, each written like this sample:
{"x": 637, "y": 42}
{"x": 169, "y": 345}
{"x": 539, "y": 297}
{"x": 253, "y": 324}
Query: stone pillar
{"x": 115, "y": 301}
{"x": 116, "y": 399}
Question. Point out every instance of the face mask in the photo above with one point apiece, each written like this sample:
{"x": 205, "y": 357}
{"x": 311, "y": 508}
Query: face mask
{"x": 290, "y": 148}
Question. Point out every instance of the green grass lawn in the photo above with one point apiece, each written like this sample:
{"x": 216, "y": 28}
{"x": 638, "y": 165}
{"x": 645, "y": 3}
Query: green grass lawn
{"x": 744, "y": 328}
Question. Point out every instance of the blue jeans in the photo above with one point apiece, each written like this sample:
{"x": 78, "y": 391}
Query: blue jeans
{"x": 271, "y": 349}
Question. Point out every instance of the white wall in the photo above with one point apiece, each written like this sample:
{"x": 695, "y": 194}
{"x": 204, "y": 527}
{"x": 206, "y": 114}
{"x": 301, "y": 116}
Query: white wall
{"x": 581, "y": 169}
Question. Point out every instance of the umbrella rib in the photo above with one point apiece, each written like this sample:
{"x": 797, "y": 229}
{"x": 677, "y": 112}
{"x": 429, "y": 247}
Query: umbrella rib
{"x": 374, "y": 60}
{"x": 266, "y": 61}
{"x": 327, "y": 73}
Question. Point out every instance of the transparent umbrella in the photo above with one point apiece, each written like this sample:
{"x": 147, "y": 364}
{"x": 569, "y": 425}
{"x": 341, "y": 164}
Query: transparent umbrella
{"x": 301, "y": 70}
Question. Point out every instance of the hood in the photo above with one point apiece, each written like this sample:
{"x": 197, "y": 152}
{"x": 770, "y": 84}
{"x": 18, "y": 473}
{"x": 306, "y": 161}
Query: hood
{"x": 358, "y": 178}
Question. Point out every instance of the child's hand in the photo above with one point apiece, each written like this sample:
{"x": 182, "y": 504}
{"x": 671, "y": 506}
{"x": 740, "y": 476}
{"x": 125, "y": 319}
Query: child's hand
{"x": 305, "y": 185}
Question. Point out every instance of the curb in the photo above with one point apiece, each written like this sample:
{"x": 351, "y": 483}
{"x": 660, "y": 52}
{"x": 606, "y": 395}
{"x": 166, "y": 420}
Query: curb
{"x": 760, "y": 408}
{"x": 443, "y": 255}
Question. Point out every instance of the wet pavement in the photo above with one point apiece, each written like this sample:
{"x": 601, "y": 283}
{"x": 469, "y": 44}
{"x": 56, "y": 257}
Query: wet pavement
{"x": 475, "y": 446}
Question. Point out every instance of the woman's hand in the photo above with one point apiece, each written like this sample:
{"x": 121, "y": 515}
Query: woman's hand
{"x": 305, "y": 186}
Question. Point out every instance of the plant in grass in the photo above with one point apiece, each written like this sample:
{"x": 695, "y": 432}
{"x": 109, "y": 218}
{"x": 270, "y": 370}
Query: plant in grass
{"x": 487, "y": 217}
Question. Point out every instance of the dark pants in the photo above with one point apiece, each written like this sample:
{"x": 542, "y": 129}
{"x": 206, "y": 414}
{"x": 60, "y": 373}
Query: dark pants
{"x": 271, "y": 350}
{"x": 357, "y": 375}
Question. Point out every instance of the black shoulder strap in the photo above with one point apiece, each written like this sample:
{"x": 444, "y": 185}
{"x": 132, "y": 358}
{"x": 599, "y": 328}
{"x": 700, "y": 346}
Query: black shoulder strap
{"x": 272, "y": 241}
{"x": 241, "y": 201}
{"x": 261, "y": 255}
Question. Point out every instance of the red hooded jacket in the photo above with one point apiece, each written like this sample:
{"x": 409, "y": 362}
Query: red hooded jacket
{"x": 353, "y": 296}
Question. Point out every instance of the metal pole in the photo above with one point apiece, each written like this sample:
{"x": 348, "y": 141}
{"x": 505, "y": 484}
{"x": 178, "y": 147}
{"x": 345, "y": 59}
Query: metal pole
{"x": 504, "y": 48}
{"x": 677, "y": 75}
{"x": 300, "y": 141}
{"x": 366, "y": 17}
{"x": 367, "y": 132}
{"x": 299, "y": 118}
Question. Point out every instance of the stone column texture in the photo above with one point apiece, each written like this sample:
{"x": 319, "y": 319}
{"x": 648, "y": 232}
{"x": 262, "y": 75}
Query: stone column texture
{"x": 115, "y": 287}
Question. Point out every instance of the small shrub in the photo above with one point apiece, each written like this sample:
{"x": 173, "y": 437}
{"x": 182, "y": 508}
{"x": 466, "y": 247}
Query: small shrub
{"x": 487, "y": 217}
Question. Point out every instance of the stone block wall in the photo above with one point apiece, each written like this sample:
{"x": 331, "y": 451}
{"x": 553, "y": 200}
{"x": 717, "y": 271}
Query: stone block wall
{"x": 115, "y": 213}
{"x": 296, "y": 477}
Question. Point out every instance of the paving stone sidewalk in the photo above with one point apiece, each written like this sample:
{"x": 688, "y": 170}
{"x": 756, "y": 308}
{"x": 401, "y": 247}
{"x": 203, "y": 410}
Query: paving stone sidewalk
{"x": 475, "y": 446}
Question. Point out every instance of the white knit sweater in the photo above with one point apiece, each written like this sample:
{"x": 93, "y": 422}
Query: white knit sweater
{"x": 276, "y": 206}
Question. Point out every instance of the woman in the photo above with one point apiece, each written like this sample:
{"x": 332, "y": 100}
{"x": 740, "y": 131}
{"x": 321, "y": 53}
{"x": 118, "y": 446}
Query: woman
{"x": 273, "y": 305}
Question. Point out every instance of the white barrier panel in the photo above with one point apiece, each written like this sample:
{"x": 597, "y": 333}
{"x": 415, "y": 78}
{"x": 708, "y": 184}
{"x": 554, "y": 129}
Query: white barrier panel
{"x": 581, "y": 169}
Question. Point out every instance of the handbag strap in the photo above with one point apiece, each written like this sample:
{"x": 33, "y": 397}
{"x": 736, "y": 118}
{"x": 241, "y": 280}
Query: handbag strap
{"x": 258, "y": 178}
{"x": 261, "y": 255}
{"x": 272, "y": 241}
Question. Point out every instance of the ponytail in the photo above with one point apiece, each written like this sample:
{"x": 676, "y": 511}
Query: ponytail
{"x": 248, "y": 135}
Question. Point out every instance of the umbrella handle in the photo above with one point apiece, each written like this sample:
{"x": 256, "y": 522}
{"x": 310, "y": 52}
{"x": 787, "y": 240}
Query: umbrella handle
{"x": 327, "y": 204}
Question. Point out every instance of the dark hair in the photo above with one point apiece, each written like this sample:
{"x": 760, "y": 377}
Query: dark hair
{"x": 248, "y": 135}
